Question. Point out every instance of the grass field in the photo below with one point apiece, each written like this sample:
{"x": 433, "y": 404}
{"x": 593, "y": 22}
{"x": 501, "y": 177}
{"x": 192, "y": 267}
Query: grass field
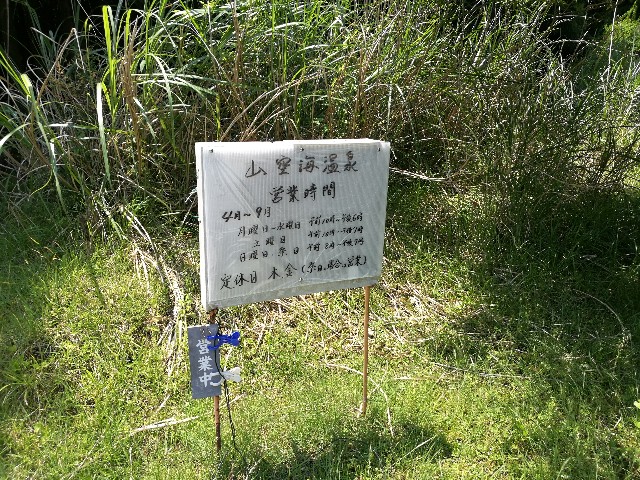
{"x": 505, "y": 326}
{"x": 478, "y": 370}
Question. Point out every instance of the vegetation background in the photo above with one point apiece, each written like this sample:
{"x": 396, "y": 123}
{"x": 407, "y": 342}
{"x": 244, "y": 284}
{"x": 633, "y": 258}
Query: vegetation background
{"x": 506, "y": 323}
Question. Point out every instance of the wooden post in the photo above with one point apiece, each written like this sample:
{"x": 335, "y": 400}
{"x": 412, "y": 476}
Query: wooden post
{"x": 216, "y": 412}
{"x": 365, "y": 364}
{"x": 216, "y": 399}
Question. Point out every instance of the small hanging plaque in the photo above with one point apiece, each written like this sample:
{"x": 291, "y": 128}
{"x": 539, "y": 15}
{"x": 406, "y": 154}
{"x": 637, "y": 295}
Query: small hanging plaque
{"x": 204, "y": 362}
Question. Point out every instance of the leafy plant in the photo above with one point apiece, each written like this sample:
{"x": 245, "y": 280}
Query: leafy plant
{"x": 475, "y": 95}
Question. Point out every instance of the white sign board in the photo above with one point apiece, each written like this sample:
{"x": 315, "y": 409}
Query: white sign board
{"x": 279, "y": 219}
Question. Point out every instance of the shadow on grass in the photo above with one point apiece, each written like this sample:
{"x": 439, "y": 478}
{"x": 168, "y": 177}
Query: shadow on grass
{"x": 552, "y": 295}
{"x": 558, "y": 287}
{"x": 368, "y": 449}
{"x": 565, "y": 288}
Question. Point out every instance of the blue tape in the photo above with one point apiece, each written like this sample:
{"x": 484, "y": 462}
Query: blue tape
{"x": 218, "y": 340}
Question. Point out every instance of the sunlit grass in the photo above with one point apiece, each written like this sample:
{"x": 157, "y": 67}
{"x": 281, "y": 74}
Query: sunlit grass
{"x": 476, "y": 371}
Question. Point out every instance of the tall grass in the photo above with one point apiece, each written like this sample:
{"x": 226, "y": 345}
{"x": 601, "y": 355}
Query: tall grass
{"x": 478, "y": 96}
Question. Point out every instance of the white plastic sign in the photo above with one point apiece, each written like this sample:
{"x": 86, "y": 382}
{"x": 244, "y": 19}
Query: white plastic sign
{"x": 279, "y": 219}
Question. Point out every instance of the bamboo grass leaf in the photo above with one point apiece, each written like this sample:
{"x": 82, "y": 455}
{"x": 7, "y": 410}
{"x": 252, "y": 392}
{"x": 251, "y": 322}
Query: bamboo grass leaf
{"x": 100, "y": 87}
{"x": 10, "y": 134}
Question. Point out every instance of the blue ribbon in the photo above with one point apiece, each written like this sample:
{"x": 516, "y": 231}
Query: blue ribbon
{"x": 218, "y": 340}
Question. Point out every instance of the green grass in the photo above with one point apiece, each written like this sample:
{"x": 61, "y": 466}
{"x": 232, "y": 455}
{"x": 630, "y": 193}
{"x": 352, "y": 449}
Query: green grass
{"x": 478, "y": 95}
{"x": 504, "y": 328}
{"x": 477, "y": 371}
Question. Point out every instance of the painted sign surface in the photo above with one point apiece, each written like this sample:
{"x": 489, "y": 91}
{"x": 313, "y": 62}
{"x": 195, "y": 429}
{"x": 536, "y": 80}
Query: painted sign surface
{"x": 206, "y": 380}
{"x": 279, "y": 219}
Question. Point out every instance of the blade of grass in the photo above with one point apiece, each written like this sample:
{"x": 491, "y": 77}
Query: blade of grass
{"x": 100, "y": 87}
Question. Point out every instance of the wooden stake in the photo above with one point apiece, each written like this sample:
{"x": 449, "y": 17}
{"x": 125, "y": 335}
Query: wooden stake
{"x": 365, "y": 365}
{"x": 216, "y": 413}
{"x": 216, "y": 399}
